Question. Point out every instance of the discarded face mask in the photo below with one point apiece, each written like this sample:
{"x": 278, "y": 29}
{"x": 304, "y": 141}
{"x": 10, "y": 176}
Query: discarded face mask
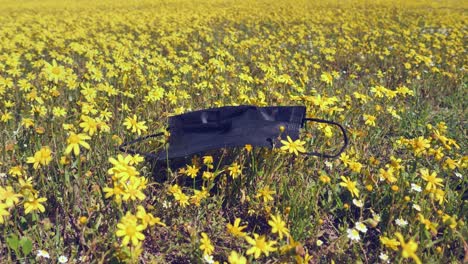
{"x": 232, "y": 126}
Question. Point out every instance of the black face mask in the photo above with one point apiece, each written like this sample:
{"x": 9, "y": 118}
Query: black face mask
{"x": 232, "y": 126}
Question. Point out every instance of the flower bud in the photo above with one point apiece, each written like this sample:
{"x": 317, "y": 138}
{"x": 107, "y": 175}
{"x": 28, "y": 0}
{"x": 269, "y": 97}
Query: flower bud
{"x": 83, "y": 220}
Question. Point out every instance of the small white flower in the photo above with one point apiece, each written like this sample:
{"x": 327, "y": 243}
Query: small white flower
{"x": 319, "y": 242}
{"x": 166, "y": 204}
{"x": 417, "y": 207}
{"x": 361, "y": 227}
{"x": 62, "y": 259}
{"x": 208, "y": 259}
{"x": 329, "y": 164}
{"x": 459, "y": 175}
{"x": 415, "y": 187}
{"x": 42, "y": 253}
{"x": 353, "y": 234}
{"x": 358, "y": 203}
{"x": 401, "y": 222}
{"x": 376, "y": 217}
{"x": 384, "y": 257}
{"x": 3, "y": 175}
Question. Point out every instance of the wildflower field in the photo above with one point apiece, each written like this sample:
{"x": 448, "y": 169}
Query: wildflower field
{"x": 79, "y": 78}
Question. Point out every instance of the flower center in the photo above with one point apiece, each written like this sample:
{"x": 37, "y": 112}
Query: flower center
{"x": 261, "y": 244}
{"x": 56, "y": 70}
{"x": 130, "y": 230}
{"x": 74, "y": 139}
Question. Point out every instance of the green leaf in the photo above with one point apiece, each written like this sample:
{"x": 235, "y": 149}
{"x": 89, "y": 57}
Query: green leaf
{"x": 13, "y": 242}
{"x": 23, "y": 220}
{"x": 67, "y": 176}
{"x": 26, "y": 245}
{"x": 432, "y": 243}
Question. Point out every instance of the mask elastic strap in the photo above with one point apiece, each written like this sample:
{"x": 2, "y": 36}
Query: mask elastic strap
{"x": 343, "y": 131}
{"x": 133, "y": 152}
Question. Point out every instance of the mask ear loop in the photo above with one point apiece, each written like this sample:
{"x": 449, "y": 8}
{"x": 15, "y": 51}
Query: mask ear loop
{"x": 343, "y": 131}
{"x": 123, "y": 148}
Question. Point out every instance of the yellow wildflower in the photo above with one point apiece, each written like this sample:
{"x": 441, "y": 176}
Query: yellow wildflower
{"x": 54, "y": 72}
{"x": 135, "y": 126}
{"x": 133, "y": 190}
{"x": 8, "y": 195}
{"x": 181, "y": 198}
{"x": 3, "y": 212}
{"x": 327, "y": 78}
{"x": 350, "y": 185}
{"x": 369, "y": 120}
{"x": 34, "y": 204}
{"x": 260, "y": 245}
{"x": 41, "y": 157}
{"x": 192, "y": 171}
{"x": 206, "y": 245}
{"x": 293, "y": 146}
{"x": 234, "y": 170}
{"x": 387, "y": 175}
{"x": 390, "y": 242}
{"x": 147, "y": 218}
{"x": 130, "y": 230}
{"x": 408, "y": 249}
{"x": 236, "y": 229}
{"x": 420, "y": 145}
{"x": 278, "y": 226}
{"x": 266, "y": 193}
{"x": 431, "y": 178}
{"x": 75, "y": 141}
{"x": 235, "y": 258}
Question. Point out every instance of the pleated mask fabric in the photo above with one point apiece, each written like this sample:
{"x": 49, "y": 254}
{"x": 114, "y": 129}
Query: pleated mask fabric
{"x": 231, "y": 126}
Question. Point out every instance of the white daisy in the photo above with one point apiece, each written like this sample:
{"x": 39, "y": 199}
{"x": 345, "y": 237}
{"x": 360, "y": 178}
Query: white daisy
{"x": 358, "y": 203}
{"x": 62, "y": 259}
{"x": 361, "y": 227}
{"x": 166, "y": 204}
{"x": 417, "y": 207}
{"x": 43, "y": 254}
{"x": 376, "y": 217}
{"x": 208, "y": 259}
{"x": 384, "y": 257}
{"x": 401, "y": 222}
{"x": 415, "y": 187}
{"x": 353, "y": 234}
